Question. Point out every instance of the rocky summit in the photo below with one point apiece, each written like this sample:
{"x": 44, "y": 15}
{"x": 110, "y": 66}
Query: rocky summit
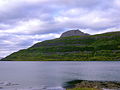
{"x": 73, "y": 33}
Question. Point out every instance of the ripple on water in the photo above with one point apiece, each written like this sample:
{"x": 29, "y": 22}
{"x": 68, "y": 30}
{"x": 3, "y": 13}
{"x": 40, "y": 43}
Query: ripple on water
{"x": 32, "y": 89}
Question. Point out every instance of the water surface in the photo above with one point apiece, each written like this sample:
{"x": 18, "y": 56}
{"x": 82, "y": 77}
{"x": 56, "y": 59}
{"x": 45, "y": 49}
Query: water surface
{"x": 54, "y": 74}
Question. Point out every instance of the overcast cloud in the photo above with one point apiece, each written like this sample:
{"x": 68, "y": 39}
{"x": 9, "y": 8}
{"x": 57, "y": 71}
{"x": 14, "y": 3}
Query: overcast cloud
{"x": 25, "y": 22}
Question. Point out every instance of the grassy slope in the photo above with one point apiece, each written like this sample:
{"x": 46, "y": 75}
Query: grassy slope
{"x": 75, "y": 48}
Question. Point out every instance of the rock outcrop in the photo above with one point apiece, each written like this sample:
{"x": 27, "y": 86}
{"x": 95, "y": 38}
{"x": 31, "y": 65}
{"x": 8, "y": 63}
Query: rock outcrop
{"x": 73, "y": 33}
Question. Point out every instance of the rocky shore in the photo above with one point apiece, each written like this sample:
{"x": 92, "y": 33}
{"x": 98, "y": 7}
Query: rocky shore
{"x": 95, "y": 85}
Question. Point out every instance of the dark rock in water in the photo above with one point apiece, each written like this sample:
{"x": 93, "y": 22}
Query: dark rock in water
{"x": 73, "y": 33}
{"x": 1, "y": 87}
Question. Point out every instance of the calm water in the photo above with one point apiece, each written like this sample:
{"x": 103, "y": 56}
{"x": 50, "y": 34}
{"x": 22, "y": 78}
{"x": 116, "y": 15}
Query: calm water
{"x": 49, "y": 75}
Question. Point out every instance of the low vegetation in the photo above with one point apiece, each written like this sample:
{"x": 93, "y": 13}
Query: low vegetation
{"x": 101, "y": 47}
{"x": 91, "y": 85}
{"x": 83, "y": 89}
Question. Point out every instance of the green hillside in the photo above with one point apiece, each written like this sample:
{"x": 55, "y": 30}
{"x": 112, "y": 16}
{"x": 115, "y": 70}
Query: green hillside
{"x": 100, "y": 47}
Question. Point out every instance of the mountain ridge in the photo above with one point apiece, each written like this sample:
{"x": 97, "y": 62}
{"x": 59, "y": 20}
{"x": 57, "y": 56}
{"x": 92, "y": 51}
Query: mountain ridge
{"x": 99, "y": 47}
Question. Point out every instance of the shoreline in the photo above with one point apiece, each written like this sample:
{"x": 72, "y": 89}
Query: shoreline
{"x": 92, "y": 85}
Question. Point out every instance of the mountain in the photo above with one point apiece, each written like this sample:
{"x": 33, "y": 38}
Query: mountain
{"x": 73, "y": 33}
{"x": 100, "y": 47}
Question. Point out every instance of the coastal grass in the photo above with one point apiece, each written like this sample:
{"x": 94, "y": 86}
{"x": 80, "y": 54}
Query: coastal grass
{"x": 91, "y": 85}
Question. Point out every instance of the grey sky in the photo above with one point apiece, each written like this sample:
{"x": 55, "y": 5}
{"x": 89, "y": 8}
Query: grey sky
{"x": 25, "y": 22}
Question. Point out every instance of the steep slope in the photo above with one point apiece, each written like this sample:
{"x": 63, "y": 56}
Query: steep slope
{"x": 101, "y": 47}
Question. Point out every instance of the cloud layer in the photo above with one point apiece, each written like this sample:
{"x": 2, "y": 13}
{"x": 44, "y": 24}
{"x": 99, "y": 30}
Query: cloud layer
{"x": 25, "y": 22}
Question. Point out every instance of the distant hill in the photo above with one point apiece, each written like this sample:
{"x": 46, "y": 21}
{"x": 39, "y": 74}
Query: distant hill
{"x": 85, "y": 47}
{"x": 1, "y": 58}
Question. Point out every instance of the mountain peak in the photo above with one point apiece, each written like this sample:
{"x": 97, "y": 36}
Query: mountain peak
{"x": 73, "y": 33}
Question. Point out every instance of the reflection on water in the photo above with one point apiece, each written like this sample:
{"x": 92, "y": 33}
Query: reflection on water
{"x": 46, "y": 75}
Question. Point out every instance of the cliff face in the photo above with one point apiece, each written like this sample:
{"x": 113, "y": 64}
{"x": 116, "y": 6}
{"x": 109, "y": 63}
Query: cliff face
{"x": 73, "y": 33}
